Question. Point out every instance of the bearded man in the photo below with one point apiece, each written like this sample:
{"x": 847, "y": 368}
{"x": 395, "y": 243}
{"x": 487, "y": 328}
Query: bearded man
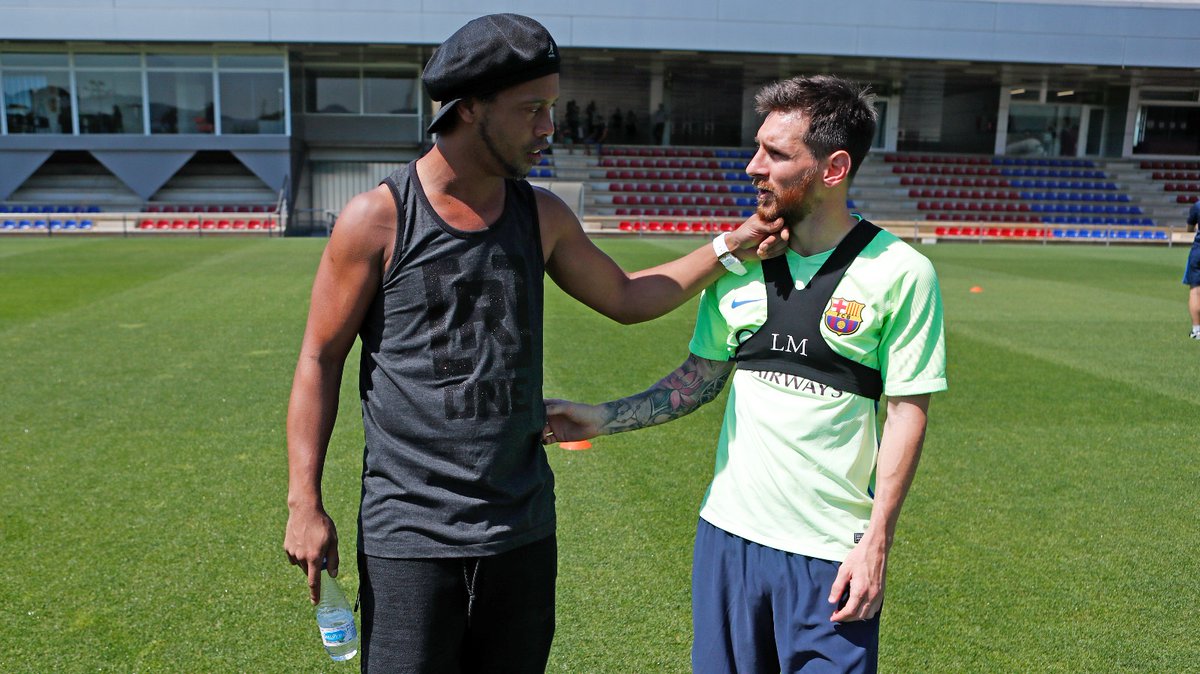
{"x": 792, "y": 545}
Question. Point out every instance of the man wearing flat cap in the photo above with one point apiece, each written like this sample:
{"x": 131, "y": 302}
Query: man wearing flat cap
{"x": 439, "y": 272}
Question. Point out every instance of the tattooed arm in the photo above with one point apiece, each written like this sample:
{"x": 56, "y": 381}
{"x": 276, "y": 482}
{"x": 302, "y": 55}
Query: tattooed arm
{"x": 691, "y": 385}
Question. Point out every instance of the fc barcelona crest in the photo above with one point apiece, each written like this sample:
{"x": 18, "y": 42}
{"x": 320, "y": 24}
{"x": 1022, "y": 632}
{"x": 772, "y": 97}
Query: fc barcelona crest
{"x": 844, "y": 317}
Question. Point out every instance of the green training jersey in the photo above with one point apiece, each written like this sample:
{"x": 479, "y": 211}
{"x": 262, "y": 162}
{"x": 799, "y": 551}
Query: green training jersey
{"x": 795, "y": 458}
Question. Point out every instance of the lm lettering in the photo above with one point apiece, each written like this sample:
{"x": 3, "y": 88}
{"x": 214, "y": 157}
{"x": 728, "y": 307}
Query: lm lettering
{"x": 790, "y": 345}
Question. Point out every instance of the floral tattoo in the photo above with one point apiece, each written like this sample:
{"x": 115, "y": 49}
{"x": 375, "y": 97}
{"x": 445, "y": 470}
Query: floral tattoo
{"x": 697, "y": 382}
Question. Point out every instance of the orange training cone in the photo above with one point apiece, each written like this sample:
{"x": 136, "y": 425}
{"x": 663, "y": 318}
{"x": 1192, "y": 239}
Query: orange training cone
{"x": 976, "y": 289}
{"x": 575, "y": 446}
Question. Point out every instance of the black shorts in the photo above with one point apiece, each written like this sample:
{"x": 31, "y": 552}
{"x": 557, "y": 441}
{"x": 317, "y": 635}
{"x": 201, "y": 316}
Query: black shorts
{"x": 474, "y": 614}
{"x": 1191, "y": 274}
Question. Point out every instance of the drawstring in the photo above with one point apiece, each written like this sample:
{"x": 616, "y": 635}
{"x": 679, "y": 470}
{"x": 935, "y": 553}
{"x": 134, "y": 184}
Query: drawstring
{"x": 470, "y": 581}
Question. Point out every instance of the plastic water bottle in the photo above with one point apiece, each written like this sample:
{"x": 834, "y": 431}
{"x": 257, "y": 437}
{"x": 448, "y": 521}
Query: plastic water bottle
{"x": 335, "y": 619}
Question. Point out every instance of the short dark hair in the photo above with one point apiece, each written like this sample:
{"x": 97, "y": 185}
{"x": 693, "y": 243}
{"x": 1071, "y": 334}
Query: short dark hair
{"x": 841, "y": 114}
{"x": 450, "y": 120}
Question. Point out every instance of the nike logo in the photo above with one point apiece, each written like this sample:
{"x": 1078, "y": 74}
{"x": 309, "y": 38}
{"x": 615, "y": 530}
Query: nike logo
{"x": 737, "y": 303}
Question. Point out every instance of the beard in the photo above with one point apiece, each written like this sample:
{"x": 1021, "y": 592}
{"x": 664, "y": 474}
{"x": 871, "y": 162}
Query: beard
{"x": 510, "y": 169}
{"x": 793, "y": 202}
{"x": 792, "y": 214}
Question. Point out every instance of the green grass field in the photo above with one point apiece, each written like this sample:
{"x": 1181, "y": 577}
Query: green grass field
{"x": 1052, "y": 526}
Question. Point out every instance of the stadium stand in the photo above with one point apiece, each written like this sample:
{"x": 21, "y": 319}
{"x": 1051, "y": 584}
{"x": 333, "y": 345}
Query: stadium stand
{"x": 211, "y": 193}
{"x": 970, "y": 197}
{"x": 688, "y": 190}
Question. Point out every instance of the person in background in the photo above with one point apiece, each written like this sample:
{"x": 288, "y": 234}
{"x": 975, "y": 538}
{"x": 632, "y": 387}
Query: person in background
{"x": 631, "y": 126}
{"x": 597, "y": 137}
{"x": 795, "y": 530}
{"x": 572, "y": 132}
{"x": 1191, "y": 275}
{"x": 439, "y": 272}
{"x": 616, "y": 126}
{"x": 660, "y": 123}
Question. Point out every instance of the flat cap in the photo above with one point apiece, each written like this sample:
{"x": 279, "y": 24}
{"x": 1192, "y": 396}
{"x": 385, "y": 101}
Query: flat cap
{"x": 486, "y": 55}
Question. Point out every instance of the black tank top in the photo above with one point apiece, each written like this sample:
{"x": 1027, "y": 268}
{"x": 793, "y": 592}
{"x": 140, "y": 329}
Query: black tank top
{"x": 790, "y": 340}
{"x": 451, "y": 385}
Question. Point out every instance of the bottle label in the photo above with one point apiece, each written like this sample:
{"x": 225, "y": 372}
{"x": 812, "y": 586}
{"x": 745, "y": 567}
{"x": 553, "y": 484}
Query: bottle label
{"x": 336, "y": 636}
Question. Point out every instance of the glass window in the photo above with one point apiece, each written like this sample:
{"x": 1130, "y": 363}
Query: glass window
{"x": 42, "y": 60}
{"x": 179, "y": 60}
{"x": 389, "y": 94}
{"x": 181, "y": 102}
{"x": 1168, "y": 130}
{"x": 37, "y": 101}
{"x": 108, "y": 61}
{"x": 333, "y": 92}
{"x": 109, "y": 102}
{"x": 272, "y": 61}
{"x": 881, "y": 107}
{"x": 252, "y": 102}
{"x": 1043, "y": 130}
{"x": 116, "y": 91}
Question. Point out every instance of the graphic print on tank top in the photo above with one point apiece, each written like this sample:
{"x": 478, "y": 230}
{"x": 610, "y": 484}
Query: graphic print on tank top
{"x": 469, "y": 319}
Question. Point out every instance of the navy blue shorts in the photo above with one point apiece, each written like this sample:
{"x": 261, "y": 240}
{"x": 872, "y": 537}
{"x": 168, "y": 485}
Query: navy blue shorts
{"x": 757, "y": 609}
{"x": 1191, "y": 275}
{"x": 477, "y": 614}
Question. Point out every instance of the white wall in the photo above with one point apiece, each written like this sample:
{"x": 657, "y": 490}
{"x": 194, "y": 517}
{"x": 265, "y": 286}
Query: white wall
{"x": 1163, "y": 33}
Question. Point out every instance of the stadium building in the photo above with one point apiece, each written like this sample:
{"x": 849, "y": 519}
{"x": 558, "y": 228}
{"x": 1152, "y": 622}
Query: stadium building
{"x": 1038, "y": 117}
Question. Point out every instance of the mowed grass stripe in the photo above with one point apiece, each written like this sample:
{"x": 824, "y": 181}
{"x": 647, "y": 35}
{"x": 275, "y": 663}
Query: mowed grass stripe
{"x": 152, "y": 421}
{"x": 1112, "y": 313}
{"x": 1035, "y": 514}
{"x": 47, "y": 278}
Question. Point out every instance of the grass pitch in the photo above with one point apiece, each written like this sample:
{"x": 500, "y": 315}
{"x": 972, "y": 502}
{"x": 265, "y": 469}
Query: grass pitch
{"x": 144, "y": 386}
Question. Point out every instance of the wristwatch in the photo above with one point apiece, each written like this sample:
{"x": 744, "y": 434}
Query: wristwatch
{"x": 727, "y": 258}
